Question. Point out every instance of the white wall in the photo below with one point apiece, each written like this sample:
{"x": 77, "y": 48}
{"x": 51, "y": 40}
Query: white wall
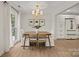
{"x": 60, "y": 26}
{"x": 18, "y": 26}
{"x": 5, "y": 27}
{"x": 25, "y": 22}
{"x": 1, "y": 30}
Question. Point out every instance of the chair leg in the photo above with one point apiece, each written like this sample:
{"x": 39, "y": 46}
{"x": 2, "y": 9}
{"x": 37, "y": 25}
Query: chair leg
{"x": 24, "y": 42}
{"x": 49, "y": 41}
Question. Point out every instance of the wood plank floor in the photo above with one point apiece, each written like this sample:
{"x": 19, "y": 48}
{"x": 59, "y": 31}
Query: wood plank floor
{"x": 63, "y": 48}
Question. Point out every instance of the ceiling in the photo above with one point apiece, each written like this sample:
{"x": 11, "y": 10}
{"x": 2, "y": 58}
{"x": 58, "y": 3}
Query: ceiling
{"x": 72, "y": 10}
{"x": 53, "y": 7}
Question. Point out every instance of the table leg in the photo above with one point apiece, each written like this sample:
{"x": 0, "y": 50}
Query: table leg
{"x": 37, "y": 40}
{"x": 24, "y": 41}
{"x": 49, "y": 41}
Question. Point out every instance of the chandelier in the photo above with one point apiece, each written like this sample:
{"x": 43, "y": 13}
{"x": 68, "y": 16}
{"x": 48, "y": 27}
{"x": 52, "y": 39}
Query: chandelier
{"x": 37, "y": 21}
{"x": 37, "y": 11}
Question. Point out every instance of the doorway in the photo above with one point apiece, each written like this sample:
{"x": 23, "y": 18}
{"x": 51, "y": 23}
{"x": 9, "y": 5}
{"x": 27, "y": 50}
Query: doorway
{"x": 13, "y": 30}
{"x": 70, "y": 28}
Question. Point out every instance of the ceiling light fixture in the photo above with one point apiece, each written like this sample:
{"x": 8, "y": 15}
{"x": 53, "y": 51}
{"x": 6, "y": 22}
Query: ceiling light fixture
{"x": 37, "y": 11}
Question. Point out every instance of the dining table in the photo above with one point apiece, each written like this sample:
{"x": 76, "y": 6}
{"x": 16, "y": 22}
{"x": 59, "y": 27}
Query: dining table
{"x": 37, "y": 36}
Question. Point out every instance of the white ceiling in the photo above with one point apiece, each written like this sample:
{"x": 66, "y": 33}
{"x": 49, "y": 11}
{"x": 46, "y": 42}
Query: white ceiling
{"x": 72, "y": 10}
{"x": 53, "y": 7}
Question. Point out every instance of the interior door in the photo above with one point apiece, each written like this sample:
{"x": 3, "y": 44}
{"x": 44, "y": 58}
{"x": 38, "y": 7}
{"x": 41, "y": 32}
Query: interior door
{"x": 13, "y": 30}
{"x": 70, "y": 24}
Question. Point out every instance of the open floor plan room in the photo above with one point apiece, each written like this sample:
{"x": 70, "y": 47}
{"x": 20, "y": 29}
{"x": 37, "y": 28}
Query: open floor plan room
{"x": 39, "y": 28}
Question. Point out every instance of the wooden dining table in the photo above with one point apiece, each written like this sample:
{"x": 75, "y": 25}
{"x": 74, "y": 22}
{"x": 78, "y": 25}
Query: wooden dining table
{"x": 38, "y": 35}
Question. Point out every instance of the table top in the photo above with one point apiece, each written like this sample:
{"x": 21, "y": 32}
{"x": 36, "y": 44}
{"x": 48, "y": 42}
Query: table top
{"x": 39, "y": 32}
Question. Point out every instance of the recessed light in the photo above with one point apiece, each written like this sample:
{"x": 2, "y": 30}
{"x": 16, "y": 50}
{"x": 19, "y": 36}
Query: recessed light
{"x": 68, "y": 10}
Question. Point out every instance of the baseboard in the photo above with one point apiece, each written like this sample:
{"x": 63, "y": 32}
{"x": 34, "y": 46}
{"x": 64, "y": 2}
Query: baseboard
{"x": 67, "y": 38}
{"x": 1, "y": 53}
{"x": 60, "y": 38}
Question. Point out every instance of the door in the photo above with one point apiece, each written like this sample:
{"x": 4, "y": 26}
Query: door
{"x": 13, "y": 31}
{"x": 70, "y": 26}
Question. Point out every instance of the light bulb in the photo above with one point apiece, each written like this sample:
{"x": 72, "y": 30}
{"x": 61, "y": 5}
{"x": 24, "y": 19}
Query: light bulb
{"x": 33, "y": 12}
{"x": 41, "y": 12}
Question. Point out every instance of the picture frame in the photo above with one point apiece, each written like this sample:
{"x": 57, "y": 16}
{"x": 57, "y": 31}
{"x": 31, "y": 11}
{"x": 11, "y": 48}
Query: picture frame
{"x": 36, "y": 22}
{"x": 31, "y": 22}
{"x": 70, "y": 24}
{"x": 42, "y": 22}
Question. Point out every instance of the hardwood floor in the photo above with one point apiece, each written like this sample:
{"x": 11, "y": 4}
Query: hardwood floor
{"x": 63, "y": 48}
